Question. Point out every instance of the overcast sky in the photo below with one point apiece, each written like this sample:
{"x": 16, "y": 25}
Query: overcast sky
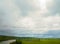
{"x": 29, "y": 16}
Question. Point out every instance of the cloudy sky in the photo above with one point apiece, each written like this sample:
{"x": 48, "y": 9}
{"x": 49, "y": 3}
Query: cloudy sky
{"x": 31, "y": 18}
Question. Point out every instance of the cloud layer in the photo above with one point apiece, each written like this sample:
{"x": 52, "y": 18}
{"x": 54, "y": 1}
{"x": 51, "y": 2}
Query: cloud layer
{"x": 30, "y": 15}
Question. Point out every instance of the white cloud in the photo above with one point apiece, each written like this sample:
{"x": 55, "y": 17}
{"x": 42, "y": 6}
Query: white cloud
{"x": 34, "y": 3}
{"x": 26, "y": 22}
{"x": 35, "y": 21}
{"x": 11, "y": 13}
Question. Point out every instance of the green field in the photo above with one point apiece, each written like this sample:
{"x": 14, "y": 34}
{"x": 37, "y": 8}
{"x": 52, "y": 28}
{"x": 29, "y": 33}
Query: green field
{"x": 39, "y": 41}
{"x": 29, "y": 40}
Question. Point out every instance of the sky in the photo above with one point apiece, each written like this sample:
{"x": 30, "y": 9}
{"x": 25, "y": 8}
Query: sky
{"x": 33, "y": 18}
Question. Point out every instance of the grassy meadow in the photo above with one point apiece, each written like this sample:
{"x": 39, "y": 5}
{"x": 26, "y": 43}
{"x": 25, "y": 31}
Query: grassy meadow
{"x": 38, "y": 41}
{"x": 30, "y": 40}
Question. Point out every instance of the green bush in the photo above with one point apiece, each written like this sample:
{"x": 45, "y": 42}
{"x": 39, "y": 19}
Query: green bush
{"x": 16, "y": 42}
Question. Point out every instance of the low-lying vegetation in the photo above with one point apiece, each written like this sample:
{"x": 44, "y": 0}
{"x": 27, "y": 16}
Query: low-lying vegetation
{"x": 38, "y": 41}
{"x": 31, "y": 40}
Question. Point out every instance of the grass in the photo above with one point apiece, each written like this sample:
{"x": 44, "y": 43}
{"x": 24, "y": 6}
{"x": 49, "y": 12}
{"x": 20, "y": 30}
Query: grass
{"x": 40, "y": 41}
{"x": 29, "y": 40}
